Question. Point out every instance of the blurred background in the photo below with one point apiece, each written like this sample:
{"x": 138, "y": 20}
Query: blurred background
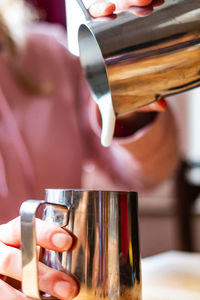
{"x": 169, "y": 216}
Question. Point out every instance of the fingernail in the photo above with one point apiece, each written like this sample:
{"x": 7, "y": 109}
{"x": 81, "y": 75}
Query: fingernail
{"x": 62, "y": 241}
{"x": 102, "y": 8}
{"x": 65, "y": 290}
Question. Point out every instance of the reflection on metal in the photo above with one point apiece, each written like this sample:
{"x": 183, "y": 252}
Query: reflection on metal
{"x": 138, "y": 60}
{"x": 106, "y": 259}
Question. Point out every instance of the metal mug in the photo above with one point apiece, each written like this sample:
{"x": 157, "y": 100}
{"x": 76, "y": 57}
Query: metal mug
{"x": 106, "y": 260}
{"x": 131, "y": 61}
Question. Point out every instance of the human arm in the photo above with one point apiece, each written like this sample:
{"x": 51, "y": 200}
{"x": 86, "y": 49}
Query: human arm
{"x": 139, "y": 160}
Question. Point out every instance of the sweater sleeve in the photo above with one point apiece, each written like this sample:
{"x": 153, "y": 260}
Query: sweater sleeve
{"x": 152, "y": 152}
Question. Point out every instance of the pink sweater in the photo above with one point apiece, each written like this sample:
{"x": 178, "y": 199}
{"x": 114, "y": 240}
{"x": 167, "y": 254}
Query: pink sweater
{"x": 52, "y": 141}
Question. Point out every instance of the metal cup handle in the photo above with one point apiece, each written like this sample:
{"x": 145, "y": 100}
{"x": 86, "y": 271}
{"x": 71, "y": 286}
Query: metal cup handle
{"x": 30, "y": 280}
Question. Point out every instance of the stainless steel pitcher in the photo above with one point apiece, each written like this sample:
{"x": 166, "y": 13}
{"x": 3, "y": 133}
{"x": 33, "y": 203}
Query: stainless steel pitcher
{"x": 106, "y": 260}
{"x": 133, "y": 61}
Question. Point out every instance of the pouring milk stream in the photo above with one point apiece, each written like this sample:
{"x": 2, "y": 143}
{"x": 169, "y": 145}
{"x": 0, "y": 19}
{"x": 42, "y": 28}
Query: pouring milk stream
{"x": 105, "y": 103}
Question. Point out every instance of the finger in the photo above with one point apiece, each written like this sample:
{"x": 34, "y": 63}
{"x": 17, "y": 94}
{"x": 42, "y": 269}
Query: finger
{"x": 143, "y": 11}
{"x": 8, "y": 292}
{"x": 159, "y": 106}
{"x": 51, "y": 281}
{"x": 101, "y": 8}
{"x": 124, "y": 4}
{"x": 48, "y": 235}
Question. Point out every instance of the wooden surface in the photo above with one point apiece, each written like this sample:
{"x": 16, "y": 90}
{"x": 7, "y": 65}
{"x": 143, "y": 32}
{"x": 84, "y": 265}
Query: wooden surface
{"x": 172, "y": 275}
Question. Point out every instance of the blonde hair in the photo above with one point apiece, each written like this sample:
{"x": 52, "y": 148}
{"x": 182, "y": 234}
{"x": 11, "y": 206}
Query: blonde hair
{"x": 15, "y": 16}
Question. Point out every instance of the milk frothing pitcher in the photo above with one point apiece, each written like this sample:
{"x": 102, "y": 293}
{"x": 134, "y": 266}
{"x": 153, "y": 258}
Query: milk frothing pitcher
{"x": 106, "y": 259}
{"x": 132, "y": 61}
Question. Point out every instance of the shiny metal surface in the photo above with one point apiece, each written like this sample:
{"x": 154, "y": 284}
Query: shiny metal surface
{"x": 138, "y": 60}
{"x": 30, "y": 285}
{"x": 28, "y": 211}
{"x": 106, "y": 259}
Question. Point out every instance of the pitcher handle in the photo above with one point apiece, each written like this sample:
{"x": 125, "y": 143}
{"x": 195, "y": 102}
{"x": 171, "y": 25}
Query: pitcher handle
{"x": 84, "y": 10}
{"x": 30, "y": 281}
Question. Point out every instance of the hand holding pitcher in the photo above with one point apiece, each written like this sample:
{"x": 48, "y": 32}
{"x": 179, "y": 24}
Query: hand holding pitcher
{"x": 106, "y": 259}
{"x": 51, "y": 281}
